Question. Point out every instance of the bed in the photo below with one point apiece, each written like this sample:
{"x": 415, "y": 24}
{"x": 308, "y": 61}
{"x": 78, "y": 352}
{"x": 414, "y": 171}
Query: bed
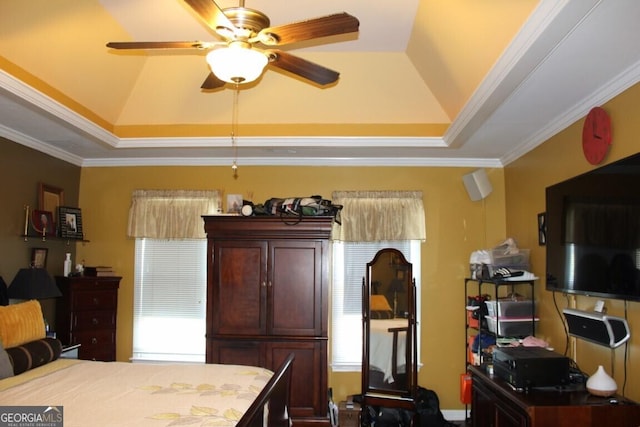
{"x": 388, "y": 342}
{"x": 90, "y": 393}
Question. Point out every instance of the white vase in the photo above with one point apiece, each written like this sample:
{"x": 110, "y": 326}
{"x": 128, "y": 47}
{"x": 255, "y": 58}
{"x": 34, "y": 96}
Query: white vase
{"x": 601, "y": 384}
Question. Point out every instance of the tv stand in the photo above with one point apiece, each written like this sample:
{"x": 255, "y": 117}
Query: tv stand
{"x": 495, "y": 403}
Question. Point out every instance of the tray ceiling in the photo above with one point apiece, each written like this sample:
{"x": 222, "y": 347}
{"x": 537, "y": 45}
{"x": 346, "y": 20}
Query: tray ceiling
{"x": 424, "y": 82}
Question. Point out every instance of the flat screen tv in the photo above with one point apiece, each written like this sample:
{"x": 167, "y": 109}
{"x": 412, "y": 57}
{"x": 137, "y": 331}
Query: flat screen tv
{"x": 593, "y": 232}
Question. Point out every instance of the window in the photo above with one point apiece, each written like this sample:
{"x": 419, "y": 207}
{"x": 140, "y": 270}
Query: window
{"x": 349, "y": 269}
{"x": 169, "y": 314}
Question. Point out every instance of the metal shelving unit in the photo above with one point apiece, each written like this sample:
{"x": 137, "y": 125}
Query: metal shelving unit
{"x": 496, "y": 286}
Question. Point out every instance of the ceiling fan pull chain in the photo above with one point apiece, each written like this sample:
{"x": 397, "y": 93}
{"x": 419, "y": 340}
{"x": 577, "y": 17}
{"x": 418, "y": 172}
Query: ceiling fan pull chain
{"x": 234, "y": 130}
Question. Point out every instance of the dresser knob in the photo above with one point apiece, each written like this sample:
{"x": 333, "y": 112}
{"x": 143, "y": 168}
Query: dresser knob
{"x": 94, "y": 321}
{"x": 94, "y": 340}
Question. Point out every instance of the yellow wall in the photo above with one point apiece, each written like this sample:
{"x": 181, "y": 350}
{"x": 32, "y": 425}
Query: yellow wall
{"x": 455, "y": 227}
{"x": 526, "y": 179}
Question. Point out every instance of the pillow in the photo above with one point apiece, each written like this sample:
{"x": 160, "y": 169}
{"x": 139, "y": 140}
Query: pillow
{"x": 33, "y": 354}
{"x": 21, "y": 323}
{"x": 6, "y": 368}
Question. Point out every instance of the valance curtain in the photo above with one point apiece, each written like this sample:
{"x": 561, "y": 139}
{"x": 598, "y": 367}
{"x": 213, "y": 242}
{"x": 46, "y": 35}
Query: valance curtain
{"x": 171, "y": 214}
{"x": 371, "y": 216}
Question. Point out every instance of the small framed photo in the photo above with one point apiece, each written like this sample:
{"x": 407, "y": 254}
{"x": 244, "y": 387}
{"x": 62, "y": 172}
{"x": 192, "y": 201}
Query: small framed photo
{"x": 542, "y": 229}
{"x": 234, "y": 203}
{"x": 42, "y": 222}
{"x": 70, "y": 222}
{"x": 39, "y": 257}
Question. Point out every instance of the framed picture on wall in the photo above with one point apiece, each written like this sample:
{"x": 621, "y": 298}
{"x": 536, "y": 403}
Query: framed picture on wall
{"x": 39, "y": 257}
{"x": 542, "y": 229}
{"x": 42, "y": 223}
{"x": 70, "y": 222}
{"x": 49, "y": 198}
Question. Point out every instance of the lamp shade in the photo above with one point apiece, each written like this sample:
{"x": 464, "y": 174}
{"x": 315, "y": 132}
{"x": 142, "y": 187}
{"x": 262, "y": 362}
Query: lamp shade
{"x": 236, "y": 64}
{"x": 33, "y": 283}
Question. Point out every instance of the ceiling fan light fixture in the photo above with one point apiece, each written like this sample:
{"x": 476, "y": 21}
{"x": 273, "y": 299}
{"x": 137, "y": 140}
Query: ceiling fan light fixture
{"x": 236, "y": 63}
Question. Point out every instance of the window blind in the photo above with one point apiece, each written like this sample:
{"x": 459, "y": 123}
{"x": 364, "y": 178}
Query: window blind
{"x": 169, "y": 316}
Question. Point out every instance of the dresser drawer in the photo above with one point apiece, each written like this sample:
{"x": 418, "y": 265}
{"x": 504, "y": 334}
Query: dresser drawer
{"x": 100, "y": 354}
{"x": 97, "y": 282}
{"x": 93, "y": 320}
{"x": 94, "y": 300}
{"x": 90, "y": 339}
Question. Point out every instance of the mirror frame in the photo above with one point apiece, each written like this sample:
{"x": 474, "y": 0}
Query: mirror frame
{"x": 370, "y": 392}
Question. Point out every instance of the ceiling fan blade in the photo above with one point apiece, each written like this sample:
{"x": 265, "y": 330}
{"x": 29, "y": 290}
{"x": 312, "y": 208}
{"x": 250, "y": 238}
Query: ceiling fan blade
{"x": 211, "y": 13}
{"x": 301, "y": 67}
{"x": 160, "y": 45}
{"x": 212, "y": 82}
{"x": 330, "y": 25}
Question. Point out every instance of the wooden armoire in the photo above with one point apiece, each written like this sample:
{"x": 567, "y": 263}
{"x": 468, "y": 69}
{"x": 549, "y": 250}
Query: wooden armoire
{"x": 267, "y": 296}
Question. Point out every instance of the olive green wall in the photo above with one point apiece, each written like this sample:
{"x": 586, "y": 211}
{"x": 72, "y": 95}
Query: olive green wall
{"x": 455, "y": 227}
{"x": 21, "y": 169}
{"x": 558, "y": 159}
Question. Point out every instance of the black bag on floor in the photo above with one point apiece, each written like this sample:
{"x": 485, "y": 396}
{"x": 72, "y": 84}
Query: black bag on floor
{"x": 428, "y": 408}
{"x": 386, "y": 417}
{"x": 389, "y": 417}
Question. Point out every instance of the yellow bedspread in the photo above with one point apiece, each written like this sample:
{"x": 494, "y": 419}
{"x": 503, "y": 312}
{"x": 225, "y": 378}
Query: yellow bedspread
{"x": 122, "y": 394}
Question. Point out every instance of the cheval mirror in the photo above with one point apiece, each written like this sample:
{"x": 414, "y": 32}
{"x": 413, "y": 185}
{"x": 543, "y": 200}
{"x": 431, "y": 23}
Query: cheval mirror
{"x": 389, "y": 354}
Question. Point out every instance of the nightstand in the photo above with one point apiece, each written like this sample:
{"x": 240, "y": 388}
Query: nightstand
{"x": 70, "y": 351}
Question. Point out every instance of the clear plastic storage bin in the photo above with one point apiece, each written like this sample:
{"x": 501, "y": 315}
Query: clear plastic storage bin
{"x": 519, "y": 261}
{"x": 511, "y": 308}
{"x": 511, "y": 327}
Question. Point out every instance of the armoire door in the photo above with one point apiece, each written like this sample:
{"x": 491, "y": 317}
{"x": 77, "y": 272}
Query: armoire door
{"x": 309, "y": 375}
{"x": 295, "y": 288}
{"x": 239, "y": 289}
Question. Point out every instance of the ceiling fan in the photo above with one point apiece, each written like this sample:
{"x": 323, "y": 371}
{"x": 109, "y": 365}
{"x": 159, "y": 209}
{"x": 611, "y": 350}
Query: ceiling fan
{"x": 241, "y": 57}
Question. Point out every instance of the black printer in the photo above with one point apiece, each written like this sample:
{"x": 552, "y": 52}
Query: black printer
{"x": 527, "y": 367}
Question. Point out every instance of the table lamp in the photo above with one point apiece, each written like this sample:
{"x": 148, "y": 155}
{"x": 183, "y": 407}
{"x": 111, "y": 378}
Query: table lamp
{"x": 33, "y": 283}
{"x": 4, "y": 298}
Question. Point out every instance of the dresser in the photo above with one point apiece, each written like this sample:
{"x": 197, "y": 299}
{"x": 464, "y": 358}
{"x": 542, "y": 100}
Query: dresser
{"x": 495, "y": 404}
{"x": 267, "y": 296}
{"x": 86, "y": 315}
